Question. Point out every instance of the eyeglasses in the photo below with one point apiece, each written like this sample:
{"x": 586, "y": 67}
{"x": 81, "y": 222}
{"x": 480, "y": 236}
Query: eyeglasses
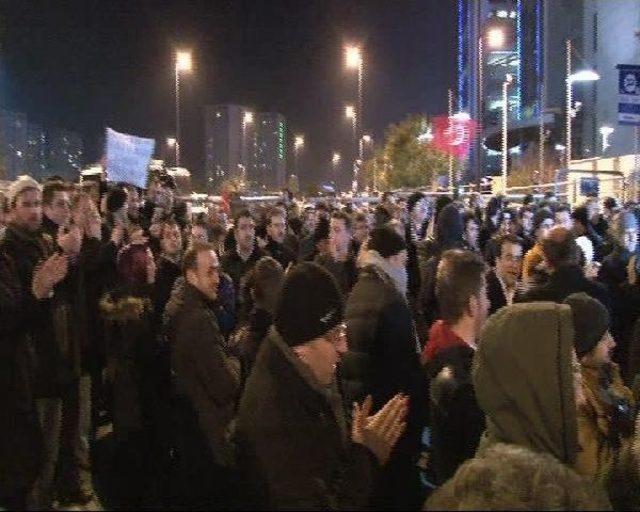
{"x": 338, "y": 335}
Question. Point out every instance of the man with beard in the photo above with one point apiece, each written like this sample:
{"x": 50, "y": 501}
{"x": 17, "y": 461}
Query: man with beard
{"x": 29, "y": 392}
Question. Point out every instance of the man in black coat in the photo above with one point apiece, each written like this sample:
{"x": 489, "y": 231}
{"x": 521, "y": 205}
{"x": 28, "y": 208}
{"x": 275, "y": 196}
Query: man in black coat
{"x": 297, "y": 450}
{"x": 276, "y": 234}
{"x": 30, "y": 359}
{"x": 561, "y": 254}
{"x": 169, "y": 266}
{"x": 239, "y": 260}
{"x": 502, "y": 281}
{"x": 207, "y": 382}
{"x": 340, "y": 262}
{"x": 383, "y": 358}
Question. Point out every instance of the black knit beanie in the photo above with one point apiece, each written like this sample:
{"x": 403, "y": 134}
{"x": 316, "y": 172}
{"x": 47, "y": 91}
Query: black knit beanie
{"x": 590, "y": 321}
{"x": 386, "y": 242}
{"x": 310, "y": 304}
{"x": 540, "y": 216}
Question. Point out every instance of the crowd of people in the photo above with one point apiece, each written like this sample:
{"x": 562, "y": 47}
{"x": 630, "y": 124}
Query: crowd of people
{"x": 421, "y": 352}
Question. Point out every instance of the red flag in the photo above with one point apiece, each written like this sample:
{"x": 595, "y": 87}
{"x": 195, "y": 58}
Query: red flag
{"x": 453, "y": 135}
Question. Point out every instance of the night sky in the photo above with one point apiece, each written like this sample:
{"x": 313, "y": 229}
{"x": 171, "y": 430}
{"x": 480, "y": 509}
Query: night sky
{"x": 82, "y": 65}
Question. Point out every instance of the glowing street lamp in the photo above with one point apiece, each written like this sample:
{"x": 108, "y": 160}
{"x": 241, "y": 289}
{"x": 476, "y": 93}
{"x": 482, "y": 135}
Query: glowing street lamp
{"x": 248, "y": 118}
{"x": 335, "y": 159}
{"x": 496, "y": 38}
{"x": 586, "y": 75}
{"x": 298, "y": 145}
{"x": 183, "y": 64}
{"x": 353, "y": 57}
{"x": 171, "y": 142}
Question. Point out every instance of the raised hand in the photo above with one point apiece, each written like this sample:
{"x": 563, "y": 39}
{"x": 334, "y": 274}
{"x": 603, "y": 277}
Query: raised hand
{"x": 52, "y": 271}
{"x": 70, "y": 240}
{"x": 380, "y": 432}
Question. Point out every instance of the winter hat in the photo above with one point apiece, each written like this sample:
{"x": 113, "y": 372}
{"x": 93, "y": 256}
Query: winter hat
{"x": 540, "y": 216}
{"x": 19, "y": 186}
{"x": 310, "y": 304}
{"x": 386, "y": 242}
{"x": 116, "y": 199}
{"x": 590, "y": 321}
{"x": 413, "y": 200}
{"x": 610, "y": 203}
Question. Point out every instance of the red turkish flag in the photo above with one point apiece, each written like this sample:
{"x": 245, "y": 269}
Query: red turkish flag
{"x": 453, "y": 135}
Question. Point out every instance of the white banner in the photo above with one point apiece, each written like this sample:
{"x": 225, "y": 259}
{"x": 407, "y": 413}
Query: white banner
{"x": 128, "y": 158}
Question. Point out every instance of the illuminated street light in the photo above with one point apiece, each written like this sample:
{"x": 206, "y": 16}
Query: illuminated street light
{"x": 586, "y": 75}
{"x": 298, "y": 141}
{"x": 350, "y": 112}
{"x": 336, "y": 158}
{"x": 183, "y": 64}
{"x": 171, "y": 142}
{"x": 298, "y": 145}
{"x": 366, "y": 138}
{"x": 353, "y": 57}
{"x": 496, "y": 38}
{"x": 248, "y": 117}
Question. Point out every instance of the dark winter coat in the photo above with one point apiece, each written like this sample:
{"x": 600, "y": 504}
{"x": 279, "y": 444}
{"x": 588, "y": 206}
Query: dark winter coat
{"x": 345, "y": 272}
{"x": 281, "y": 253}
{"x": 232, "y": 264}
{"x": 383, "y": 355}
{"x": 293, "y": 440}
{"x": 204, "y": 374}
{"x": 28, "y": 357}
{"x": 168, "y": 272}
{"x": 457, "y": 422}
{"x": 563, "y": 282}
{"x": 495, "y": 293}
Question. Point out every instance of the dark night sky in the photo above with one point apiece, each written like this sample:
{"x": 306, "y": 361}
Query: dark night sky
{"x": 85, "y": 64}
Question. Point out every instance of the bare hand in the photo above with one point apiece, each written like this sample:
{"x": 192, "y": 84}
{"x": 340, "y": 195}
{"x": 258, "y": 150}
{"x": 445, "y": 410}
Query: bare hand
{"x": 379, "y": 433}
{"x": 70, "y": 241}
{"x": 151, "y": 268}
{"x": 52, "y": 271}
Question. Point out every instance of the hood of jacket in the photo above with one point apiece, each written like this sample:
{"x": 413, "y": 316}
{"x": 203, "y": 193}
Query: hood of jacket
{"x": 450, "y": 229}
{"x": 398, "y": 277}
{"x": 524, "y": 379}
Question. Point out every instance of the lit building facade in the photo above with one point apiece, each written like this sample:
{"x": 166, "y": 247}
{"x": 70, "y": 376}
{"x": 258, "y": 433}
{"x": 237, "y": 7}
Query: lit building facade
{"x": 270, "y": 169}
{"x": 13, "y": 144}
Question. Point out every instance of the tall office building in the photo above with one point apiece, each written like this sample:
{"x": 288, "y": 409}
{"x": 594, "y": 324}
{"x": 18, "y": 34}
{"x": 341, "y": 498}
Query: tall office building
{"x": 230, "y": 143}
{"x": 611, "y": 37}
{"x": 270, "y": 170}
{"x": 13, "y": 144}
{"x": 524, "y": 39}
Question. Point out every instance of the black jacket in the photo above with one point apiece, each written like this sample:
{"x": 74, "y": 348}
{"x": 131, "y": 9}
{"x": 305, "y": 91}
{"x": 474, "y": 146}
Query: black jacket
{"x": 383, "y": 352}
{"x": 345, "y": 272}
{"x": 562, "y": 283}
{"x": 280, "y": 253}
{"x": 26, "y": 344}
{"x": 166, "y": 276}
{"x": 204, "y": 373}
{"x": 495, "y": 293}
{"x": 456, "y": 419}
{"x": 294, "y": 445}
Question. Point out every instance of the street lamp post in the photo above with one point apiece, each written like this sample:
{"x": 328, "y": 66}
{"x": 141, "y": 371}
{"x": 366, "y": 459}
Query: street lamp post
{"x": 581, "y": 76}
{"x": 171, "y": 143}
{"x": 351, "y": 113}
{"x": 505, "y": 133}
{"x": 298, "y": 145}
{"x": 182, "y": 64}
{"x": 335, "y": 160}
{"x": 247, "y": 119}
{"x": 354, "y": 60}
